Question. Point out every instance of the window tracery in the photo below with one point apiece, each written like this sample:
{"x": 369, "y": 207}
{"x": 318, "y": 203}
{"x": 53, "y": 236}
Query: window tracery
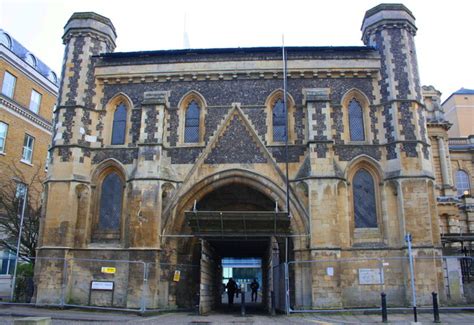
{"x": 192, "y": 122}
{"x": 119, "y": 124}
{"x": 365, "y": 206}
{"x": 356, "y": 121}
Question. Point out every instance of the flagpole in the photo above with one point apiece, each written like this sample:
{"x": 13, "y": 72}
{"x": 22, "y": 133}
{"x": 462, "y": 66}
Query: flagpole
{"x": 286, "y": 125}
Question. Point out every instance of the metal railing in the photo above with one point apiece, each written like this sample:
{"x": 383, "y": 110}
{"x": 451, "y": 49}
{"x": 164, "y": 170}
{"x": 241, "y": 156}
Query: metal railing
{"x": 298, "y": 286}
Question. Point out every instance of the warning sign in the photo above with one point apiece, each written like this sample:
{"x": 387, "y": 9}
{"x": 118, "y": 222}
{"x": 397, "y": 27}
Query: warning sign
{"x": 108, "y": 270}
{"x": 176, "y": 276}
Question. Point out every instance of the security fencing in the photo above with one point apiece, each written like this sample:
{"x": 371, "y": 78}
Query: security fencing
{"x": 357, "y": 283}
{"x": 104, "y": 284}
{"x": 298, "y": 286}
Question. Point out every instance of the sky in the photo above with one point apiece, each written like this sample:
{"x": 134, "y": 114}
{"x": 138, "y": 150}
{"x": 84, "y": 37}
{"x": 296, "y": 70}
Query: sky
{"x": 444, "y": 41}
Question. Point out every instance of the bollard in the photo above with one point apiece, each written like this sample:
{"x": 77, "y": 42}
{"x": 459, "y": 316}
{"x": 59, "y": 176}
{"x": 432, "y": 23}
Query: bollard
{"x": 272, "y": 297}
{"x": 196, "y": 305}
{"x": 384, "y": 307}
{"x": 242, "y": 308}
{"x": 435, "y": 307}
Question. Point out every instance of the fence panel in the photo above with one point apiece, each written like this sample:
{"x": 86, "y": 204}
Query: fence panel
{"x": 396, "y": 280}
{"x": 347, "y": 283}
{"x": 455, "y": 279}
{"x": 172, "y": 286}
{"x": 279, "y": 287}
{"x": 29, "y": 281}
{"x": 105, "y": 283}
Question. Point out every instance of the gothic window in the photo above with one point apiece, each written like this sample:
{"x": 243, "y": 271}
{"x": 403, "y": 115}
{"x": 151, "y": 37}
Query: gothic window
{"x": 110, "y": 203}
{"x": 462, "y": 182}
{"x": 356, "y": 121}
{"x": 119, "y": 124}
{"x": 191, "y": 123}
{"x": 365, "y": 209}
{"x": 279, "y": 121}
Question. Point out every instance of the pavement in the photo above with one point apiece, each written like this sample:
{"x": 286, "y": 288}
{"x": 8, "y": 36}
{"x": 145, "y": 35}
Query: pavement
{"x": 8, "y": 313}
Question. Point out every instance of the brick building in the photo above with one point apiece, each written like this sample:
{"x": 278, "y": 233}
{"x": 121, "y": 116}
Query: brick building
{"x": 179, "y": 157}
{"x": 28, "y": 92}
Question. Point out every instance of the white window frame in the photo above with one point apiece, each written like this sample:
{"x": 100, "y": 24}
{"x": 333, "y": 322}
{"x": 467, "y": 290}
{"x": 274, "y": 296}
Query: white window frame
{"x": 34, "y": 103}
{"x": 48, "y": 158}
{"x": 28, "y": 145}
{"x": 3, "y": 136}
{"x": 9, "y": 83}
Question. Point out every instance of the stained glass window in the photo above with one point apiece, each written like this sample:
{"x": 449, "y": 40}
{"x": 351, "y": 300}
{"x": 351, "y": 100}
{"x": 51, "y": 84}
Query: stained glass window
{"x": 365, "y": 210}
{"x": 356, "y": 121}
{"x": 191, "y": 123}
{"x": 279, "y": 121}
{"x": 119, "y": 125}
{"x": 111, "y": 203}
{"x": 462, "y": 182}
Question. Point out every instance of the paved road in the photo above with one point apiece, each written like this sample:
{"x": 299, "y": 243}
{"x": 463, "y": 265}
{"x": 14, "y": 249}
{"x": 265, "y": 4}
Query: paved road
{"x": 79, "y": 317}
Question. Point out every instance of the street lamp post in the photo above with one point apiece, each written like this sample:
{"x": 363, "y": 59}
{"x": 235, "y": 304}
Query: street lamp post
{"x": 25, "y": 195}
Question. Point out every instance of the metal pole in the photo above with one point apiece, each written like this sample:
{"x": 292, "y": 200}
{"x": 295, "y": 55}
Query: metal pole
{"x": 412, "y": 275}
{"x": 286, "y": 127}
{"x": 287, "y": 280}
{"x": 272, "y": 302}
{"x": 384, "y": 307}
{"x": 63, "y": 284}
{"x": 12, "y": 293}
{"x": 435, "y": 307}
{"x": 242, "y": 299}
{"x": 144, "y": 289}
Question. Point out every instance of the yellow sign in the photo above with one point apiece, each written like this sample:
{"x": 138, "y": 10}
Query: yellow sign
{"x": 108, "y": 270}
{"x": 177, "y": 275}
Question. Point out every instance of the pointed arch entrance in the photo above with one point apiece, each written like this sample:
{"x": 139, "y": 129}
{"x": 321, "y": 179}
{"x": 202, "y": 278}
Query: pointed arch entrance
{"x": 235, "y": 214}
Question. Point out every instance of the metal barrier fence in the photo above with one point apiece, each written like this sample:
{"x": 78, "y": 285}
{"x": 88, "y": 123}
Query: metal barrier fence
{"x": 104, "y": 284}
{"x": 298, "y": 286}
{"x": 357, "y": 283}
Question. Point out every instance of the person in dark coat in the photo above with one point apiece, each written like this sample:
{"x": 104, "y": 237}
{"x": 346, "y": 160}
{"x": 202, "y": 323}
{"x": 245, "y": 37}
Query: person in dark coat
{"x": 231, "y": 289}
{"x": 254, "y": 286}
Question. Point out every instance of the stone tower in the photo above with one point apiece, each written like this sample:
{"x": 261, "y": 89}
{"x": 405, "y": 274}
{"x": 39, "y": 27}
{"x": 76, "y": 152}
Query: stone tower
{"x": 85, "y": 35}
{"x": 390, "y": 29}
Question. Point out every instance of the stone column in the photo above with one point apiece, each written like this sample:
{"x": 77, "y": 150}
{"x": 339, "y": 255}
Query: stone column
{"x": 469, "y": 209}
{"x": 445, "y": 175}
{"x": 317, "y": 102}
{"x": 453, "y": 224}
{"x": 145, "y": 193}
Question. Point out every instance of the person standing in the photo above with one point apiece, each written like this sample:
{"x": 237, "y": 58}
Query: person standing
{"x": 231, "y": 288}
{"x": 254, "y": 286}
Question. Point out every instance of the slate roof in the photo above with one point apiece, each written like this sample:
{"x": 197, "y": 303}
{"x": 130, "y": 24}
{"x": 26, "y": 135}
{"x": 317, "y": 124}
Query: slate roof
{"x": 19, "y": 50}
{"x": 462, "y": 91}
{"x": 239, "y": 53}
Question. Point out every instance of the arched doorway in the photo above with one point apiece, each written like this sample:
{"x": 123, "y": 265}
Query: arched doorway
{"x": 237, "y": 216}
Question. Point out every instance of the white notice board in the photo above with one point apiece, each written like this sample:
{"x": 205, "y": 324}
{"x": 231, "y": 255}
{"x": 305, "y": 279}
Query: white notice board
{"x": 102, "y": 285}
{"x": 370, "y": 276}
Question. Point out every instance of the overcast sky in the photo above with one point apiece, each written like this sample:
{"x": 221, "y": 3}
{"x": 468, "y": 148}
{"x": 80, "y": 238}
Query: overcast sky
{"x": 444, "y": 42}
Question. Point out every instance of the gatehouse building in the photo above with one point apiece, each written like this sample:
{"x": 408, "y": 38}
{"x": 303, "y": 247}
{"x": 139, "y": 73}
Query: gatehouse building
{"x": 176, "y": 159}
